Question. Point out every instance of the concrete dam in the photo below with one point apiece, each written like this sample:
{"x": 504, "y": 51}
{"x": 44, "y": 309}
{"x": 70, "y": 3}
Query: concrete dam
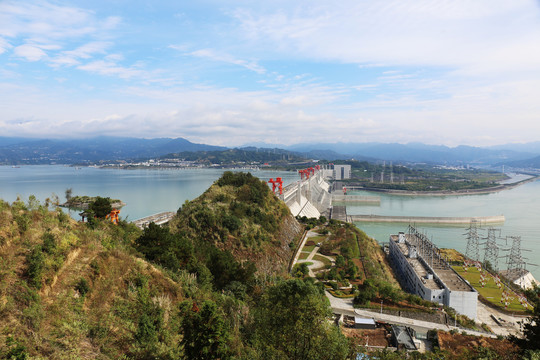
{"x": 311, "y": 198}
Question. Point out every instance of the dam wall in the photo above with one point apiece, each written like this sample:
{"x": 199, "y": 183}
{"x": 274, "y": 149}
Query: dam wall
{"x": 308, "y": 197}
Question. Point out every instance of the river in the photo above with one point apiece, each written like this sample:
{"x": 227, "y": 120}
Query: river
{"x": 145, "y": 191}
{"x": 149, "y": 191}
{"x": 520, "y": 206}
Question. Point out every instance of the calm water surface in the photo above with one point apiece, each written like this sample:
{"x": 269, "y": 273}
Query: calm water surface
{"x": 520, "y": 206}
{"x": 147, "y": 192}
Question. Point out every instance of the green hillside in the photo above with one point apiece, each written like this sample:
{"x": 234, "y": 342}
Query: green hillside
{"x": 240, "y": 214}
{"x": 205, "y": 289}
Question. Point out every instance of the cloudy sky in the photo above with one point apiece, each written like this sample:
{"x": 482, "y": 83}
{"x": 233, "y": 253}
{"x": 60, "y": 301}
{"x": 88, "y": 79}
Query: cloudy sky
{"x": 282, "y": 72}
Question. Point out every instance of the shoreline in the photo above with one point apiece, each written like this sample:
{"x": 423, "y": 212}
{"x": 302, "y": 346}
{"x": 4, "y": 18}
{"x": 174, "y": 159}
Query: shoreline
{"x": 489, "y": 190}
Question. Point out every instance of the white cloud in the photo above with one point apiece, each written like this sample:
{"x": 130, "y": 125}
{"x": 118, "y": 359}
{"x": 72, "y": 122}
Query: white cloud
{"x": 4, "y": 45}
{"x": 87, "y": 50}
{"x": 417, "y": 32}
{"x": 29, "y": 52}
{"x": 227, "y": 58}
{"x": 110, "y": 68}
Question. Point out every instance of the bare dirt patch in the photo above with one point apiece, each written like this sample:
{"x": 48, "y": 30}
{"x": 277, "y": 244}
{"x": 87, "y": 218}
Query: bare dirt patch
{"x": 376, "y": 337}
{"x": 461, "y": 345}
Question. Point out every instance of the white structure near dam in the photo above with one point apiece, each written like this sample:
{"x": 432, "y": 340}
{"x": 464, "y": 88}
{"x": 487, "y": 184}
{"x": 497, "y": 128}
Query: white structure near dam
{"x": 423, "y": 272}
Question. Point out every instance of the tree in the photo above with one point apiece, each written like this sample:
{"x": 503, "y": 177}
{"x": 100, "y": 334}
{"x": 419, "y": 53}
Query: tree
{"x": 101, "y": 207}
{"x": 300, "y": 270}
{"x": 69, "y": 194}
{"x": 365, "y": 294}
{"x": 531, "y": 330}
{"x": 225, "y": 269}
{"x": 205, "y": 335}
{"x": 291, "y": 322}
{"x": 170, "y": 250}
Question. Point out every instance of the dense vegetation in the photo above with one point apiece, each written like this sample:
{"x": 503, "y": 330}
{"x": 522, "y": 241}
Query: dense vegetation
{"x": 239, "y": 215}
{"x": 77, "y": 290}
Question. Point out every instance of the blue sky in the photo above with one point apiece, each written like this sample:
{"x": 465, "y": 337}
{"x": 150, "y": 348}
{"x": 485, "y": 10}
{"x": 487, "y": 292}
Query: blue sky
{"x": 235, "y": 72}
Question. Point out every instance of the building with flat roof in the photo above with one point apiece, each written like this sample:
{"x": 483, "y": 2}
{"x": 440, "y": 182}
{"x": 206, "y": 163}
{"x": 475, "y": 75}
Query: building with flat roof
{"x": 422, "y": 271}
{"x": 342, "y": 172}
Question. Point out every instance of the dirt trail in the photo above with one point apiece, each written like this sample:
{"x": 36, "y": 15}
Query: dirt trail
{"x": 76, "y": 260}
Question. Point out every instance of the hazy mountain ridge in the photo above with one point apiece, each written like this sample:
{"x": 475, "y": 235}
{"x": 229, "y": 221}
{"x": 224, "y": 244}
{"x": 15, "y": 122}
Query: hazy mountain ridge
{"x": 417, "y": 152}
{"x": 71, "y": 151}
{"x": 47, "y": 151}
{"x": 532, "y": 163}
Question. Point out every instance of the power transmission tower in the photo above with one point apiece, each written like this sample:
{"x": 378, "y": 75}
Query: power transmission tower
{"x": 472, "y": 241}
{"x": 491, "y": 248}
{"x": 391, "y": 174}
{"x": 516, "y": 263}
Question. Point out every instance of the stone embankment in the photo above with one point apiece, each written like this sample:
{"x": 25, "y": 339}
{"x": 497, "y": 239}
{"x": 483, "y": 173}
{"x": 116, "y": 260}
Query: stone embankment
{"x": 356, "y": 199}
{"x": 481, "y": 220}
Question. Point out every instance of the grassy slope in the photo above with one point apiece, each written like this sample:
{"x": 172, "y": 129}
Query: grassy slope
{"x": 49, "y": 315}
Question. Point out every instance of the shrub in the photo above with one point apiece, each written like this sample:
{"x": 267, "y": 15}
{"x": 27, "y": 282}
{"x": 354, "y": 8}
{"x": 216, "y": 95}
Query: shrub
{"x": 49, "y": 243}
{"x": 101, "y": 207}
{"x": 15, "y": 350}
{"x": 35, "y": 264}
{"x": 82, "y": 286}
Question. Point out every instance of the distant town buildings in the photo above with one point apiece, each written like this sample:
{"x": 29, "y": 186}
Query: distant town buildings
{"x": 342, "y": 172}
{"x": 422, "y": 271}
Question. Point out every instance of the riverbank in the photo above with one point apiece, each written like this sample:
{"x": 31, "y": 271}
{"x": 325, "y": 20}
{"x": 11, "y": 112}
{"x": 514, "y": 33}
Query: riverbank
{"x": 489, "y": 190}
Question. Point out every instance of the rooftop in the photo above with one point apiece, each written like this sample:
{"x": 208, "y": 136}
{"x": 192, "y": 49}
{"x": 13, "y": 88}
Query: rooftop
{"x": 430, "y": 255}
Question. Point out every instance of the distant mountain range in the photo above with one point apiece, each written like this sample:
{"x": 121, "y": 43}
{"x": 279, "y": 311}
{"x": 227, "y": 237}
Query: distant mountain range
{"x": 79, "y": 151}
{"x": 47, "y": 151}
{"x": 533, "y": 163}
{"x": 418, "y": 152}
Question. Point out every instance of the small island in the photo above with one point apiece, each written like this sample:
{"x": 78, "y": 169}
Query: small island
{"x": 83, "y": 202}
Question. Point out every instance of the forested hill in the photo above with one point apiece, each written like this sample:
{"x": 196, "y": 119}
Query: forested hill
{"x": 240, "y": 214}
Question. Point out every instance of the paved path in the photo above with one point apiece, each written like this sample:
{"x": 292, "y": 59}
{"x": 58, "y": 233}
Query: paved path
{"x": 345, "y": 306}
{"x": 510, "y": 325}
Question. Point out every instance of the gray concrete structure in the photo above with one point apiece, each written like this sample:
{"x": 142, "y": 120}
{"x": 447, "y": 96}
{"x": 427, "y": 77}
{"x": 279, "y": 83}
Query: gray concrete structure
{"x": 422, "y": 271}
{"x": 342, "y": 172}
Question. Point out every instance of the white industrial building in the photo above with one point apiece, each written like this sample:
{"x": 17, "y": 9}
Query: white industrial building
{"x": 342, "y": 172}
{"x": 422, "y": 271}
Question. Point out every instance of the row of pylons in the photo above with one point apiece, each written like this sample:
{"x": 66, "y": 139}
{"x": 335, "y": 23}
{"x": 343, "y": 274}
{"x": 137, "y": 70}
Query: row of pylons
{"x": 515, "y": 261}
